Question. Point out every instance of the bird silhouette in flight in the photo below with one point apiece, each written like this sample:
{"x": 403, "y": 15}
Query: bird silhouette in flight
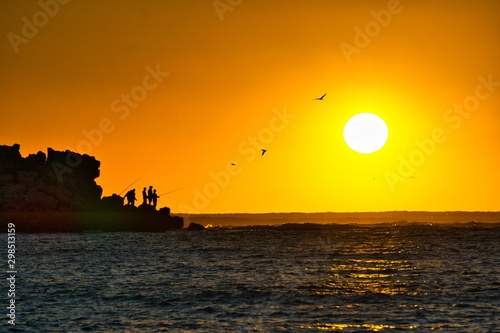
{"x": 320, "y": 98}
{"x": 263, "y": 152}
{"x": 233, "y": 164}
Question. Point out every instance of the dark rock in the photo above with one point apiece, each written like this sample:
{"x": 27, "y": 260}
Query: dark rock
{"x": 34, "y": 161}
{"x": 58, "y": 182}
{"x": 111, "y": 203}
{"x": 66, "y": 162}
{"x": 165, "y": 210}
{"x": 11, "y": 158}
{"x": 146, "y": 208}
{"x": 176, "y": 222}
{"x": 195, "y": 226}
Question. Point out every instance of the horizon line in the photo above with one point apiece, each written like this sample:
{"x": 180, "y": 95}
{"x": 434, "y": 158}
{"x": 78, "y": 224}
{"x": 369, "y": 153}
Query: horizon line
{"x": 347, "y": 212}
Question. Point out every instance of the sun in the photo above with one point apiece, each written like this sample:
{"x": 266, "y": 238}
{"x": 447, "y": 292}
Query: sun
{"x": 365, "y": 133}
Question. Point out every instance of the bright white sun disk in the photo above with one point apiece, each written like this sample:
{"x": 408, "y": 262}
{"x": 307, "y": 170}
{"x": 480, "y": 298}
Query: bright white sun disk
{"x": 365, "y": 133}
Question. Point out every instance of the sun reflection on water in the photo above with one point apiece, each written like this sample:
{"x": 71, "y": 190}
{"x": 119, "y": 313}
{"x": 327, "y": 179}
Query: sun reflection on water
{"x": 367, "y": 327}
{"x": 370, "y": 273}
{"x": 375, "y": 276}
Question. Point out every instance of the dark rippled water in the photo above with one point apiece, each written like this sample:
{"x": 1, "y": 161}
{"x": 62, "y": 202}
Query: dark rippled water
{"x": 350, "y": 279}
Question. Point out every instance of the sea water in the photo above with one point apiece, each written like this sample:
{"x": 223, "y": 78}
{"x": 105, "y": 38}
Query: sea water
{"x": 341, "y": 278}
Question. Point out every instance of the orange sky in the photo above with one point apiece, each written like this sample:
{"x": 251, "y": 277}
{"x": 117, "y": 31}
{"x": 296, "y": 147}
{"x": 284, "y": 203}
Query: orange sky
{"x": 210, "y": 83}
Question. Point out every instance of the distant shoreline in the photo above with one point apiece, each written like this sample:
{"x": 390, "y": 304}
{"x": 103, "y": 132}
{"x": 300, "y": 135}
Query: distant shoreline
{"x": 363, "y": 218}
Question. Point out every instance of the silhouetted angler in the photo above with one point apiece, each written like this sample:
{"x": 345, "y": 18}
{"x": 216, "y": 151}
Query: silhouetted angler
{"x": 150, "y": 195}
{"x": 144, "y": 196}
{"x": 155, "y": 198}
{"x": 131, "y": 197}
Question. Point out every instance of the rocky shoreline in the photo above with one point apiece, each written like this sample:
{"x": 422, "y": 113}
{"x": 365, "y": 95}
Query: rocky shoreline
{"x": 57, "y": 192}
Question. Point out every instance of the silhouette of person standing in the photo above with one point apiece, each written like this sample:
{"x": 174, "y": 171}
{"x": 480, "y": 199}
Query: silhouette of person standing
{"x": 144, "y": 196}
{"x": 150, "y": 195}
{"x": 155, "y": 199}
{"x": 131, "y": 197}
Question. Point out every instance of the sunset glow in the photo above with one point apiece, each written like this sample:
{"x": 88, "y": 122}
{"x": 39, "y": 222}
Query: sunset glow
{"x": 187, "y": 95}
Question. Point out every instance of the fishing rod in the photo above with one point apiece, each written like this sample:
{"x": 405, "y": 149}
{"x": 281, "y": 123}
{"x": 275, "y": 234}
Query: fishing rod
{"x": 173, "y": 191}
{"x": 131, "y": 185}
{"x": 162, "y": 202}
{"x": 168, "y": 193}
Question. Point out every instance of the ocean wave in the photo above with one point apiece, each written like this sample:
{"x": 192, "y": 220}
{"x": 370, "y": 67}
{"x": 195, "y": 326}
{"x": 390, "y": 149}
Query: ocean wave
{"x": 305, "y": 226}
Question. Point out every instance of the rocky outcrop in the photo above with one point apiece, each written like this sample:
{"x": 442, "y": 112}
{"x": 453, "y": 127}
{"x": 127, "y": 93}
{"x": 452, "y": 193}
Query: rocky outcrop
{"x": 61, "y": 181}
{"x": 57, "y": 192}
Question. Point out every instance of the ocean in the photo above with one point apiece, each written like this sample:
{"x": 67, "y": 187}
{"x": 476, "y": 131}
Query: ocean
{"x": 345, "y": 278}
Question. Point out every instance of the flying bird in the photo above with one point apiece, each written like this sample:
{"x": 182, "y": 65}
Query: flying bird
{"x": 320, "y": 98}
{"x": 263, "y": 152}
